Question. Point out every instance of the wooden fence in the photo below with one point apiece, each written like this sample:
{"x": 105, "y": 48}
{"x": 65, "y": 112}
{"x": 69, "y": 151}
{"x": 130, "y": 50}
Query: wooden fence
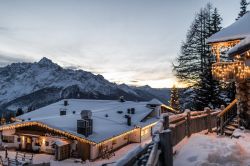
{"x": 174, "y": 130}
{"x": 194, "y": 122}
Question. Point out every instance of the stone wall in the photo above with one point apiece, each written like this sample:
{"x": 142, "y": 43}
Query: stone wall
{"x": 243, "y": 104}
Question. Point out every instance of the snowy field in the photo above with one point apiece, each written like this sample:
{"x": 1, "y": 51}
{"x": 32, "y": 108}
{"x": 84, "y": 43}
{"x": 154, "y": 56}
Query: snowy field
{"x": 213, "y": 150}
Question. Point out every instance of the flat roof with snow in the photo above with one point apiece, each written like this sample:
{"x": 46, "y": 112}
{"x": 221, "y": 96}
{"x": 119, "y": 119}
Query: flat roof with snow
{"x": 103, "y": 127}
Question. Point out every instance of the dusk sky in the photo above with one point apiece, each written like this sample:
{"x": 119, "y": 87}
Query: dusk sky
{"x": 127, "y": 41}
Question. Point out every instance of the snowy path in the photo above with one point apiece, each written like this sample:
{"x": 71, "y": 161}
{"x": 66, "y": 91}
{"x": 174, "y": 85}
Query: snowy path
{"x": 213, "y": 150}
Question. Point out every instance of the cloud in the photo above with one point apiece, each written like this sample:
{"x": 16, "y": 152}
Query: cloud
{"x": 104, "y": 39}
{"x": 6, "y": 58}
{"x": 2, "y": 28}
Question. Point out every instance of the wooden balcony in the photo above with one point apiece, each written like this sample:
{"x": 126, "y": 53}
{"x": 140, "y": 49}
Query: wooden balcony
{"x": 230, "y": 71}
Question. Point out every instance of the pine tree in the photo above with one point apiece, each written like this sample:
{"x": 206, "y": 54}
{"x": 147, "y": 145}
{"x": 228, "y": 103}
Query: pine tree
{"x": 174, "y": 100}
{"x": 243, "y": 8}
{"x": 12, "y": 117}
{"x": 216, "y": 21}
{"x": 19, "y": 112}
{"x": 195, "y": 61}
{"x": 3, "y": 120}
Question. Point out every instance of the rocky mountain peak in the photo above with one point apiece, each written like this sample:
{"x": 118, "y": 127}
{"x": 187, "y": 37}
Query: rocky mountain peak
{"x": 46, "y": 62}
{"x": 40, "y": 83}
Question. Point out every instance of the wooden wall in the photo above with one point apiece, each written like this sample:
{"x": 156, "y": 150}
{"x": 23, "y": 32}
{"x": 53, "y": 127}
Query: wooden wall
{"x": 83, "y": 150}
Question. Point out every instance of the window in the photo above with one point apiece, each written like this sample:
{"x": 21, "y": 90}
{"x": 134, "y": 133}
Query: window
{"x": 18, "y": 139}
{"x": 37, "y": 142}
{"x": 29, "y": 140}
{"x": 144, "y": 132}
{"x": 8, "y": 139}
{"x": 46, "y": 143}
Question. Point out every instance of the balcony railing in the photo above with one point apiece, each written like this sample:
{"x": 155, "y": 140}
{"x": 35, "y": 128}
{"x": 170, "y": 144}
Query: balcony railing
{"x": 230, "y": 71}
{"x": 226, "y": 115}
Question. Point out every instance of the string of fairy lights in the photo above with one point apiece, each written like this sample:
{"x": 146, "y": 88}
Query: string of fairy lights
{"x": 219, "y": 47}
{"x": 69, "y": 135}
{"x": 230, "y": 71}
{"x": 226, "y": 71}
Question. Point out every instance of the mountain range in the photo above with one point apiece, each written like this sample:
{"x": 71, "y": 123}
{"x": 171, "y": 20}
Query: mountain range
{"x": 33, "y": 85}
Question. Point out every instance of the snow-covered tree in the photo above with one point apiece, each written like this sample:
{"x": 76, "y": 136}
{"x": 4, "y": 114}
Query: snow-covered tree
{"x": 195, "y": 61}
{"x": 243, "y": 8}
{"x": 174, "y": 99}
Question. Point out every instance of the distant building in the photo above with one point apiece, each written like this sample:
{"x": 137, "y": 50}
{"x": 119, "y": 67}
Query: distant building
{"x": 87, "y": 129}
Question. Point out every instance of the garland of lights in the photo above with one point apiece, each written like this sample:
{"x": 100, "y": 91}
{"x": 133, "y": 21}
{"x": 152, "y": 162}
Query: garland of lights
{"x": 219, "y": 46}
{"x": 67, "y": 134}
{"x": 230, "y": 70}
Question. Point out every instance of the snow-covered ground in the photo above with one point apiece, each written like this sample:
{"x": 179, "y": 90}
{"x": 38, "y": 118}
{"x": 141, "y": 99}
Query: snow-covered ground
{"x": 213, "y": 150}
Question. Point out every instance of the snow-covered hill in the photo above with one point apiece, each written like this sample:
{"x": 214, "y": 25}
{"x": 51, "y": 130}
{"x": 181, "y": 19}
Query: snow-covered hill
{"x": 41, "y": 83}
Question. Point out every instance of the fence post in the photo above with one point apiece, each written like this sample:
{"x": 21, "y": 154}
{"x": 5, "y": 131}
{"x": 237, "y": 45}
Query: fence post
{"x": 221, "y": 125}
{"x": 188, "y": 123}
{"x": 165, "y": 122}
{"x": 222, "y": 107}
{"x": 221, "y": 120}
{"x": 166, "y": 147}
{"x": 209, "y": 123}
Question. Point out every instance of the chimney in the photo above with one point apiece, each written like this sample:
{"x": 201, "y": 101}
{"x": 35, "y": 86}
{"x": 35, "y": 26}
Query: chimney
{"x": 86, "y": 114}
{"x": 65, "y": 103}
{"x": 121, "y": 99}
{"x": 132, "y": 110}
{"x": 85, "y": 125}
{"x": 129, "y": 120}
{"x": 63, "y": 112}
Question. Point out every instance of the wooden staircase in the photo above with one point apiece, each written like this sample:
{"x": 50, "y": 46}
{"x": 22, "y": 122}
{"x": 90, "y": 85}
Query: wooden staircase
{"x": 227, "y": 120}
{"x": 232, "y": 125}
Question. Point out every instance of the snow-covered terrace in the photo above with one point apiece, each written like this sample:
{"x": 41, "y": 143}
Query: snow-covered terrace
{"x": 215, "y": 150}
{"x": 103, "y": 127}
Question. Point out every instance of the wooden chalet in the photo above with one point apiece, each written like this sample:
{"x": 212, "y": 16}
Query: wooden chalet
{"x": 234, "y": 41}
{"x": 86, "y": 129}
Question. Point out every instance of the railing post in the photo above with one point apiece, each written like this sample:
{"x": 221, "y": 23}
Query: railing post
{"x": 217, "y": 124}
{"x": 222, "y": 107}
{"x": 188, "y": 123}
{"x": 221, "y": 125}
{"x": 165, "y": 122}
{"x": 237, "y": 114}
{"x": 209, "y": 123}
{"x": 166, "y": 147}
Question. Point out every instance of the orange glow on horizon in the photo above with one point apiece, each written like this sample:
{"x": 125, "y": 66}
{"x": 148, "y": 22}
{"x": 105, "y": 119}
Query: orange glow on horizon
{"x": 165, "y": 83}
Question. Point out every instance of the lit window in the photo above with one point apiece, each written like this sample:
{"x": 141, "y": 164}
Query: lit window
{"x": 8, "y": 139}
{"x": 144, "y": 132}
{"x": 46, "y": 143}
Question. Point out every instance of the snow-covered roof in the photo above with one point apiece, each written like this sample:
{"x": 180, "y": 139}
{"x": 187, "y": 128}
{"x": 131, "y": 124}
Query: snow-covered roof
{"x": 103, "y": 127}
{"x": 241, "y": 47}
{"x": 60, "y": 142}
{"x": 155, "y": 102}
{"x": 238, "y": 30}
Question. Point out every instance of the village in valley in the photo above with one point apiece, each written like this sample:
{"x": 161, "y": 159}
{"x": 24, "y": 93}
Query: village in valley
{"x": 93, "y": 106}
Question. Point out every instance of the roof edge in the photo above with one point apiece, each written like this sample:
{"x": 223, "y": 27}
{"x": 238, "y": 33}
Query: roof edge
{"x": 43, "y": 125}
